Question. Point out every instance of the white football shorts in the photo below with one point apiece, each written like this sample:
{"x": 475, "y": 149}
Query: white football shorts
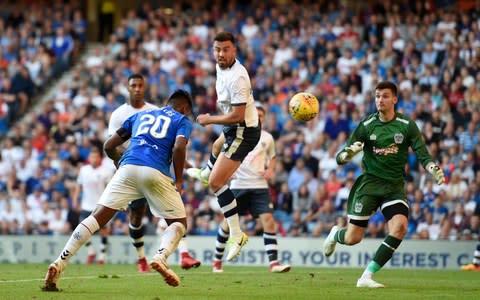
{"x": 132, "y": 182}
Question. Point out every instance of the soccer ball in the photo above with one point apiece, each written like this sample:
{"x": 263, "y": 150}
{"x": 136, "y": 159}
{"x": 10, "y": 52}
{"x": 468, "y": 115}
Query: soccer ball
{"x": 303, "y": 107}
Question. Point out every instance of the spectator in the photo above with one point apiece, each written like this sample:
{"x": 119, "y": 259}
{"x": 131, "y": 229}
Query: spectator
{"x": 428, "y": 230}
{"x": 469, "y": 137}
{"x": 335, "y": 124}
{"x": 296, "y": 176}
{"x": 325, "y": 220}
{"x": 58, "y": 224}
{"x": 458, "y": 222}
{"x": 62, "y": 47}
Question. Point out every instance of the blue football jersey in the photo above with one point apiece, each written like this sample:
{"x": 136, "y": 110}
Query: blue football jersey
{"x": 152, "y": 136}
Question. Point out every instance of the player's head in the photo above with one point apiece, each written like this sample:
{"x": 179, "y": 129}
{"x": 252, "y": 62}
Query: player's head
{"x": 181, "y": 101}
{"x": 261, "y": 111}
{"x": 95, "y": 157}
{"x": 136, "y": 88}
{"x": 385, "y": 96}
{"x": 224, "y": 49}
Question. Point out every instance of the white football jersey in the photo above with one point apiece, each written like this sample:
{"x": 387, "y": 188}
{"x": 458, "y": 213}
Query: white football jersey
{"x": 234, "y": 88}
{"x": 93, "y": 181}
{"x": 250, "y": 173}
{"x": 119, "y": 115}
{"x": 124, "y": 112}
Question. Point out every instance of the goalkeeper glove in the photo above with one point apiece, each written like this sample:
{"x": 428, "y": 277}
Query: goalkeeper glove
{"x": 436, "y": 172}
{"x": 350, "y": 151}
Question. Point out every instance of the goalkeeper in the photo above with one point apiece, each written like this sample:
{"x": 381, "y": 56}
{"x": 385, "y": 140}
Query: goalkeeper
{"x": 385, "y": 137}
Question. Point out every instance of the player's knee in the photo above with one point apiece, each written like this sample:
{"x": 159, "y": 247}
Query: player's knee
{"x": 398, "y": 225}
{"x": 399, "y": 229}
{"x": 215, "y": 183}
{"x": 353, "y": 240}
{"x": 180, "y": 227}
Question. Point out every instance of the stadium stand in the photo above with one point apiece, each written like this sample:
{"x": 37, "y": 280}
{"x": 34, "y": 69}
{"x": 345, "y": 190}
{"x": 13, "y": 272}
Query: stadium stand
{"x": 430, "y": 49}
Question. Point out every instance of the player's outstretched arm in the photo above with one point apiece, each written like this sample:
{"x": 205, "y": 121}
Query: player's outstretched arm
{"x": 235, "y": 116}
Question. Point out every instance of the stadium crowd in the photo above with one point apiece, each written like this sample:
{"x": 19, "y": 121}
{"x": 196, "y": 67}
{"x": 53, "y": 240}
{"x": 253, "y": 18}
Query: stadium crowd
{"x": 430, "y": 49}
{"x": 38, "y": 41}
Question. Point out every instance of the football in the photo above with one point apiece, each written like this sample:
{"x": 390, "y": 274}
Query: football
{"x": 303, "y": 106}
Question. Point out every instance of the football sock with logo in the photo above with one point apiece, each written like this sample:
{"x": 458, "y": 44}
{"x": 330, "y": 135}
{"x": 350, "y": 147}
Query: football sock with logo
{"x": 137, "y": 235}
{"x": 80, "y": 235}
{"x": 222, "y": 238}
{"x": 271, "y": 245}
{"x": 228, "y": 205}
{"x": 383, "y": 254}
{"x": 340, "y": 236}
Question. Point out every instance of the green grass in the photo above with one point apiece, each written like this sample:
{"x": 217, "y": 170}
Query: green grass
{"x": 23, "y": 281}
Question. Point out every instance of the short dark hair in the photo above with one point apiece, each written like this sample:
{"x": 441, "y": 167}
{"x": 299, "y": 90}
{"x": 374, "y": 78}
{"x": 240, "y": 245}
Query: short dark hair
{"x": 387, "y": 85}
{"x": 180, "y": 95}
{"x": 96, "y": 149}
{"x": 135, "y": 76}
{"x": 224, "y": 36}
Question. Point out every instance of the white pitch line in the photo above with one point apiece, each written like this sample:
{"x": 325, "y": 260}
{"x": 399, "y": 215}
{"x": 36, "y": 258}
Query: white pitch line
{"x": 75, "y": 277}
{"x": 119, "y": 276}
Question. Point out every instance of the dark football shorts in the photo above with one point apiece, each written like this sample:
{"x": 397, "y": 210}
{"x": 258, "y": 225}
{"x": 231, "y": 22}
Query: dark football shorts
{"x": 239, "y": 141}
{"x": 253, "y": 201}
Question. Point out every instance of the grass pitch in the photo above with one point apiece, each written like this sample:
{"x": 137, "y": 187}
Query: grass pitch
{"x": 23, "y": 281}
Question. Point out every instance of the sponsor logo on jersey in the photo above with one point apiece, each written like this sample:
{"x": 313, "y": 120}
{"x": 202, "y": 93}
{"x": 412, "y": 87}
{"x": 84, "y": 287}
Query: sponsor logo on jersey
{"x": 144, "y": 142}
{"x": 373, "y": 137}
{"x": 398, "y": 138}
{"x": 392, "y": 149}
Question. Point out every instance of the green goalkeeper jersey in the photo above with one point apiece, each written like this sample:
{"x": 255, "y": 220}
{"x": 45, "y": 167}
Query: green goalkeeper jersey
{"x": 386, "y": 145}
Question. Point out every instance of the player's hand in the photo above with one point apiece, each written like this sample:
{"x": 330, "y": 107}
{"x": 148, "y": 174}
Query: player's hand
{"x": 179, "y": 187}
{"x": 268, "y": 174}
{"x": 202, "y": 119}
{"x": 436, "y": 172}
{"x": 351, "y": 151}
{"x": 354, "y": 148}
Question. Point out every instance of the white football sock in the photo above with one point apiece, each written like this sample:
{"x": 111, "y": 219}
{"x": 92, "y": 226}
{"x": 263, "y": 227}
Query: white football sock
{"x": 367, "y": 274}
{"x": 80, "y": 235}
{"x": 170, "y": 239}
{"x": 183, "y": 246}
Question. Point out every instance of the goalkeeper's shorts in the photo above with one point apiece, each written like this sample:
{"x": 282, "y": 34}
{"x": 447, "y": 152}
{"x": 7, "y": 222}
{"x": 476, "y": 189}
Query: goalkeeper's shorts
{"x": 369, "y": 193}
